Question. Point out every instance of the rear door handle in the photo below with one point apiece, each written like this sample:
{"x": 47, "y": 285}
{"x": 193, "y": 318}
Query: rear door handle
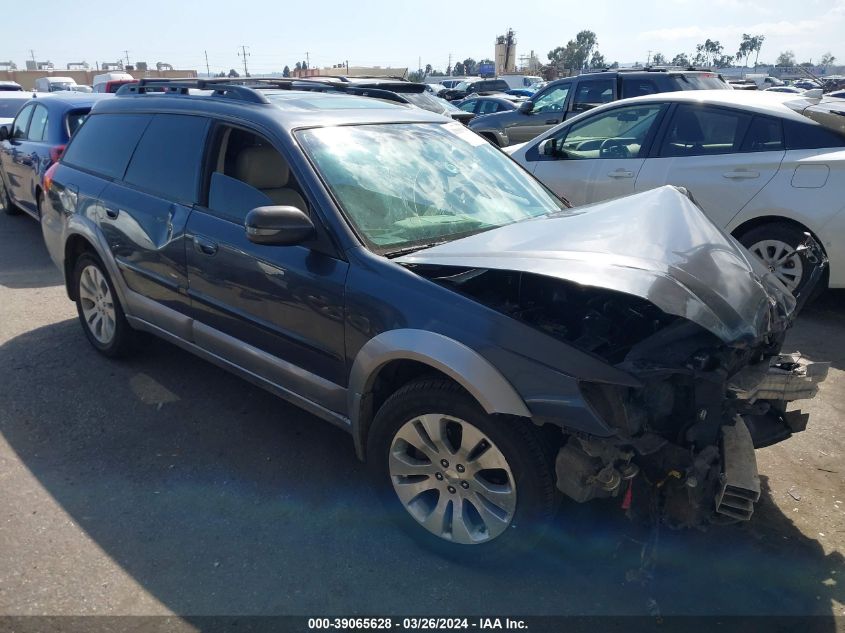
{"x": 621, "y": 173}
{"x": 739, "y": 174}
{"x": 204, "y": 246}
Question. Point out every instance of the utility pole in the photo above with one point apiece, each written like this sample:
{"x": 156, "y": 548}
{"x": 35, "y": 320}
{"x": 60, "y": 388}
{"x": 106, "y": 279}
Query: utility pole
{"x": 207, "y": 67}
{"x": 244, "y": 54}
{"x": 449, "y": 65}
{"x": 127, "y": 57}
{"x": 347, "y": 66}
{"x": 648, "y": 59}
{"x": 32, "y": 53}
{"x": 308, "y": 59}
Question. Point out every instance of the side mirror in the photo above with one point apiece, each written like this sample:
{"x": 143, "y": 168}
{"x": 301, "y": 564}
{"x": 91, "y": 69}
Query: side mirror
{"x": 526, "y": 107}
{"x": 4, "y": 133}
{"x": 278, "y": 226}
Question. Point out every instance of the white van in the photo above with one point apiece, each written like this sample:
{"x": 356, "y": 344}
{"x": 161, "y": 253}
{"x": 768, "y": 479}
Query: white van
{"x": 520, "y": 81}
{"x": 54, "y": 84}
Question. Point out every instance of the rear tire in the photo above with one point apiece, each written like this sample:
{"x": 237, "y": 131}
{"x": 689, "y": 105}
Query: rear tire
{"x": 99, "y": 309}
{"x": 9, "y": 207}
{"x": 772, "y": 244}
{"x": 456, "y": 479}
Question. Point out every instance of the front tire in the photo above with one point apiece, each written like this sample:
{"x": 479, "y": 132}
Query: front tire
{"x": 457, "y": 479}
{"x": 8, "y": 207}
{"x": 774, "y": 245}
{"x": 99, "y": 309}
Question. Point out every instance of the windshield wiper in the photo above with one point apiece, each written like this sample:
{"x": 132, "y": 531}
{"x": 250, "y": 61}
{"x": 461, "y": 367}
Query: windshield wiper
{"x": 410, "y": 249}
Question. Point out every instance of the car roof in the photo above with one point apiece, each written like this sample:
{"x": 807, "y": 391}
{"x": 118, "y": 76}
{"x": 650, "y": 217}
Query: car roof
{"x": 760, "y": 101}
{"x": 15, "y": 94}
{"x": 291, "y": 109}
{"x": 71, "y": 99}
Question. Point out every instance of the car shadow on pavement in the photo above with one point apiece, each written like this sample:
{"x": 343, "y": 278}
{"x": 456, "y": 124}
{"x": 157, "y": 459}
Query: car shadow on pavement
{"x": 24, "y": 262}
{"x": 219, "y": 499}
{"x": 817, "y": 326}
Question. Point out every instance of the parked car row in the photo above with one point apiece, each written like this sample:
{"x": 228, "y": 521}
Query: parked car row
{"x": 34, "y": 141}
{"x": 568, "y": 97}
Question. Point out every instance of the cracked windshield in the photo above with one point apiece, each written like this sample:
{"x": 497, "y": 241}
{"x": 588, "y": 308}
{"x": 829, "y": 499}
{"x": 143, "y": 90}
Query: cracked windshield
{"x": 408, "y": 186}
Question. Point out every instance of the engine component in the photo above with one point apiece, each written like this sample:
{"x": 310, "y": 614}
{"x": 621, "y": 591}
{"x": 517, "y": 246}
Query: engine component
{"x": 740, "y": 484}
{"x": 787, "y": 377}
{"x": 589, "y": 470}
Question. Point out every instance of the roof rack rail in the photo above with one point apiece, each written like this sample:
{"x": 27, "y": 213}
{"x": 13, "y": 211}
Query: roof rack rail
{"x": 183, "y": 86}
{"x": 248, "y": 88}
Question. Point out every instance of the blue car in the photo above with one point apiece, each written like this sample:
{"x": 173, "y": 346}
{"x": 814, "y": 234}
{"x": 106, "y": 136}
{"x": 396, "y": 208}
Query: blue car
{"x": 521, "y": 92}
{"x": 33, "y": 142}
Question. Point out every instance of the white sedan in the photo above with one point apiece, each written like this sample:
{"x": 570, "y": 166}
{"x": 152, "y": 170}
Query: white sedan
{"x": 765, "y": 166}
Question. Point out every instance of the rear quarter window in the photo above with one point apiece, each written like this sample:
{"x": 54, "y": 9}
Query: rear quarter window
{"x": 811, "y": 136}
{"x": 105, "y": 143}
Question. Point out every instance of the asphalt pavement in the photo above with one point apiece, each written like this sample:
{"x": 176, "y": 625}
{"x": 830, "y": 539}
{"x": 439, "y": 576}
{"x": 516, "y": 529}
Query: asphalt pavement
{"x": 164, "y": 485}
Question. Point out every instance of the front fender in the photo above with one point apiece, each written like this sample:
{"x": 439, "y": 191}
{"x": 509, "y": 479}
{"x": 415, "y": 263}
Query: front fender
{"x": 462, "y": 364}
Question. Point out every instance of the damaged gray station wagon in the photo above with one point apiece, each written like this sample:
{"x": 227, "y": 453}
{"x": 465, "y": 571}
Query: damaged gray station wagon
{"x": 390, "y": 271}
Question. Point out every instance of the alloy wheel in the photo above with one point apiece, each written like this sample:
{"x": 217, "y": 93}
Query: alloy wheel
{"x": 452, "y": 479}
{"x": 97, "y": 304}
{"x": 782, "y": 259}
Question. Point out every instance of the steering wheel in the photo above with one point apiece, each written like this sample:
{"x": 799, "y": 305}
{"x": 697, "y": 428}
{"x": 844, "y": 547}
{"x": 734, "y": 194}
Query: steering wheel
{"x": 614, "y": 148}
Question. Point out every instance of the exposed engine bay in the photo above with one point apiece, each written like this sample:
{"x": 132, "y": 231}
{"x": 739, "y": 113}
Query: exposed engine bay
{"x": 685, "y": 440}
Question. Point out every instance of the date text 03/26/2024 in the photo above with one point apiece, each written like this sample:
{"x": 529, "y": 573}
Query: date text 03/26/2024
{"x": 414, "y": 624}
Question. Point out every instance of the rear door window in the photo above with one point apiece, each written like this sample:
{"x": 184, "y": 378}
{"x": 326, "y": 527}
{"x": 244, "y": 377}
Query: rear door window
{"x": 765, "y": 134}
{"x": 702, "y": 131}
{"x": 168, "y": 158}
{"x": 105, "y": 143}
{"x": 22, "y": 122}
{"x": 591, "y": 93}
{"x": 38, "y": 125}
{"x": 637, "y": 87}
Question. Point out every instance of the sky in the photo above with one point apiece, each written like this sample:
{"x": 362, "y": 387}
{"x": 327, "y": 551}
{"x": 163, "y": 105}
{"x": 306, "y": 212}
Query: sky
{"x": 400, "y": 34}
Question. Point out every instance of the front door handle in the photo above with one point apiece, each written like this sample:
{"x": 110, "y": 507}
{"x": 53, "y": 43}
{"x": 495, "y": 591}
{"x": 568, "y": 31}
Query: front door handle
{"x": 740, "y": 174}
{"x": 204, "y": 246}
{"x": 552, "y": 122}
{"x": 621, "y": 173}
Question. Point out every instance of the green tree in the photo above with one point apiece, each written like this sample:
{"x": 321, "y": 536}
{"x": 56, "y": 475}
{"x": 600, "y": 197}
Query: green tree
{"x": 298, "y": 66}
{"x": 286, "y": 71}
{"x": 748, "y": 45}
{"x": 681, "y": 59}
{"x": 786, "y": 58}
{"x": 233, "y": 73}
{"x": 415, "y": 76}
{"x": 597, "y": 60}
{"x": 708, "y": 53}
{"x": 576, "y": 53}
{"x": 470, "y": 66}
{"x": 658, "y": 60}
{"x": 428, "y": 70}
{"x": 458, "y": 70}
{"x": 827, "y": 60}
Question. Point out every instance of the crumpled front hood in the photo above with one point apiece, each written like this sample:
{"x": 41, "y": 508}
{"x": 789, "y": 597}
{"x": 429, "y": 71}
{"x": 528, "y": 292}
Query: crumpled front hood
{"x": 657, "y": 245}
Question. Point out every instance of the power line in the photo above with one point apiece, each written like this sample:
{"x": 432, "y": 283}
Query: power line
{"x": 244, "y": 54}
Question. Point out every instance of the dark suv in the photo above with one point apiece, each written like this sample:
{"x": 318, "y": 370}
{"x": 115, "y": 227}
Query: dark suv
{"x": 475, "y": 86}
{"x": 564, "y": 98}
{"x": 394, "y": 274}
